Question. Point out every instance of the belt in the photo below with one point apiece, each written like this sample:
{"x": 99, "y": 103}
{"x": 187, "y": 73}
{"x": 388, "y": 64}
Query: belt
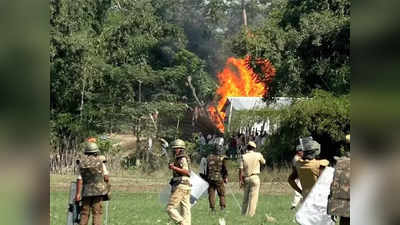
{"x": 253, "y": 174}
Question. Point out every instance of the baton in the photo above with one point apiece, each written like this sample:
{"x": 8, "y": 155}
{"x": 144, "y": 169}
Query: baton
{"x": 106, "y": 213}
{"x": 234, "y": 197}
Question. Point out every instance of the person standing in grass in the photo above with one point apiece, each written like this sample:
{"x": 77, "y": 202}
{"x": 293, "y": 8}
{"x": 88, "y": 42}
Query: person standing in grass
{"x": 178, "y": 207}
{"x": 249, "y": 170}
{"x": 297, "y": 196}
{"x": 93, "y": 182}
{"x": 339, "y": 198}
{"x": 217, "y": 176}
{"x": 309, "y": 168}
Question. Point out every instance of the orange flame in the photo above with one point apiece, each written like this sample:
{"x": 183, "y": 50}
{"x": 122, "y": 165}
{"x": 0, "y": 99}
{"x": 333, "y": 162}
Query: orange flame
{"x": 238, "y": 80}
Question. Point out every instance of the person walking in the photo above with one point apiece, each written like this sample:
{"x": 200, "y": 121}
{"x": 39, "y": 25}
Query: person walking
{"x": 249, "y": 171}
{"x": 93, "y": 183}
{"x": 178, "y": 207}
{"x": 217, "y": 177}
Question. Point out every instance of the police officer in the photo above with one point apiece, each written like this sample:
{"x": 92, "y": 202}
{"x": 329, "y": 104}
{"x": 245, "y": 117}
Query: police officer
{"x": 308, "y": 169}
{"x": 339, "y": 198}
{"x": 180, "y": 185}
{"x": 249, "y": 170}
{"x": 217, "y": 176}
{"x": 297, "y": 196}
{"x": 93, "y": 183}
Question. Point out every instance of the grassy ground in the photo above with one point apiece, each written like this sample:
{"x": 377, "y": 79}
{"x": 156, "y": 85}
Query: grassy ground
{"x": 145, "y": 208}
{"x": 135, "y": 199}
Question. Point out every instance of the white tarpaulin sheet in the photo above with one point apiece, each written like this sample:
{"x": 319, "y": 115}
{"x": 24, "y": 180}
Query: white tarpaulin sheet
{"x": 313, "y": 211}
{"x": 199, "y": 186}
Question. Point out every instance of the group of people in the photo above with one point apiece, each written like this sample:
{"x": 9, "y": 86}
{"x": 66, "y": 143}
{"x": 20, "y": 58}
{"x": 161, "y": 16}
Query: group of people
{"x": 236, "y": 145}
{"x": 93, "y": 180}
{"x": 216, "y": 174}
{"x": 306, "y": 171}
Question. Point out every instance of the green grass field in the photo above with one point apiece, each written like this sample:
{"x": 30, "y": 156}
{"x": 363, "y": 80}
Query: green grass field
{"x": 145, "y": 208}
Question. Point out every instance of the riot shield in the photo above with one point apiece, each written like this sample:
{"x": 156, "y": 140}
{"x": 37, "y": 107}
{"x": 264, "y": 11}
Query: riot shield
{"x": 199, "y": 186}
{"x": 73, "y": 216}
{"x": 313, "y": 211}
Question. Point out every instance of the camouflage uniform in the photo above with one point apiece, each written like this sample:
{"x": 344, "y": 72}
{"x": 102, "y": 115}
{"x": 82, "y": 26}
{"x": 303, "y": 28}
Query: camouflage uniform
{"x": 94, "y": 188}
{"x": 339, "y": 199}
{"x": 180, "y": 193}
{"x": 216, "y": 174}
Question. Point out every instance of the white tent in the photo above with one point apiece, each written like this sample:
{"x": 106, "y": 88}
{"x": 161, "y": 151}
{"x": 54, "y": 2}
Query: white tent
{"x": 253, "y": 103}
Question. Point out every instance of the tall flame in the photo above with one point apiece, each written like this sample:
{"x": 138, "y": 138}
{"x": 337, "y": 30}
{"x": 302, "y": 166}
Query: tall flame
{"x": 238, "y": 80}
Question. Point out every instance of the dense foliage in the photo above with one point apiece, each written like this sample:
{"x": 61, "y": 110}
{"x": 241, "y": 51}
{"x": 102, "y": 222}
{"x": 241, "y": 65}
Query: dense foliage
{"x": 112, "y": 65}
{"x": 309, "y": 44}
{"x": 323, "y": 116}
{"x": 128, "y": 66}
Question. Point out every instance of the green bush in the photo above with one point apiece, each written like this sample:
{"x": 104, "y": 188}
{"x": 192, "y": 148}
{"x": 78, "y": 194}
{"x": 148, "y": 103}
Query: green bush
{"x": 324, "y": 117}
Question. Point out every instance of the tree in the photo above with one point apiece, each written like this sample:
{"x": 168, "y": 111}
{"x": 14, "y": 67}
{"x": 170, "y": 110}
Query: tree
{"x": 309, "y": 44}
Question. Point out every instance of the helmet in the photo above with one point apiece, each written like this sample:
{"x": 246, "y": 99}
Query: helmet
{"x": 310, "y": 145}
{"x": 311, "y": 148}
{"x": 299, "y": 148}
{"x": 91, "y": 147}
{"x": 252, "y": 144}
{"x": 178, "y": 143}
{"x": 348, "y": 138}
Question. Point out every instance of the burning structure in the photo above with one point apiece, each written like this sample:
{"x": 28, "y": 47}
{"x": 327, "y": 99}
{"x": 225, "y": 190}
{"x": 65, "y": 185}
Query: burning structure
{"x": 237, "y": 79}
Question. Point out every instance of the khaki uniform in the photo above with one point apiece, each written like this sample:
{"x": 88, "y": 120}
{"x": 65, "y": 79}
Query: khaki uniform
{"x": 297, "y": 196}
{"x": 178, "y": 207}
{"x": 250, "y": 165}
{"x": 308, "y": 172}
{"x": 216, "y": 173}
{"x": 92, "y": 173}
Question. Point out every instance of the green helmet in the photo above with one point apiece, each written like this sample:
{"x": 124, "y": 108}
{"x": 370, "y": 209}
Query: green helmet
{"x": 91, "y": 148}
{"x": 178, "y": 143}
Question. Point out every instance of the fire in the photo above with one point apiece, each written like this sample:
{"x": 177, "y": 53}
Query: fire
{"x": 238, "y": 80}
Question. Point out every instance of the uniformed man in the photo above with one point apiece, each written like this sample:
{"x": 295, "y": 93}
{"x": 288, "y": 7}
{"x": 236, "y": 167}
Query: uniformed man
{"x": 297, "y": 196}
{"x": 178, "y": 207}
{"x": 249, "y": 170}
{"x": 308, "y": 169}
{"x": 93, "y": 182}
{"x": 217, "y": 176}
{"x": 339, "y": 198}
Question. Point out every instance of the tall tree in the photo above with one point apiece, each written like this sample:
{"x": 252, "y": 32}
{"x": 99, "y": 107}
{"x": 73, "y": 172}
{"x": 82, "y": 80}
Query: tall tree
{"x": 309, "y": 44}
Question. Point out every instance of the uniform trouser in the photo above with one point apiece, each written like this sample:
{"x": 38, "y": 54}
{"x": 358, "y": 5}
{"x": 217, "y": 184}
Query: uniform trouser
{"x": 344, "y": 220}
{"x": 220, "y": 188}
{"x": 297, "y": 196}
{"x": 93, "y": 204}
{"x": 178, "y": 207}
{"x": 251, "y": 189}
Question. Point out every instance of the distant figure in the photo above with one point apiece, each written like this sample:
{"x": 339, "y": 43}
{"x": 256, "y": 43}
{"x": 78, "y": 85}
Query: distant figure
{"x": 297, "y": 196}
{"x": 232, "y": 147}
{"x": 249, "y": 170}
{"x": 209, "y": 139}
{"x": 201, "y": 142}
